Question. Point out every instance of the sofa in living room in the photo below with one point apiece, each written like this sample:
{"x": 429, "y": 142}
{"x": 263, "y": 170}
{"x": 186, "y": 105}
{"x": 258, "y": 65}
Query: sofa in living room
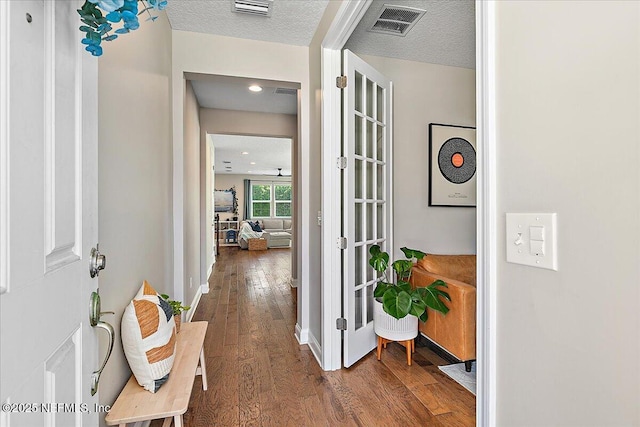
{"x": 276, "y": 231}
{"x": 454, "y": 332}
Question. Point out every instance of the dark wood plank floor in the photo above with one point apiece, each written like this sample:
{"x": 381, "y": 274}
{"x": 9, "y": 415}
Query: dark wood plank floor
{"x": 260, "y": 376}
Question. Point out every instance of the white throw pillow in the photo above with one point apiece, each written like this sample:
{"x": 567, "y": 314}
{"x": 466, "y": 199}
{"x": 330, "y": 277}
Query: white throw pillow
{"x": 149, "y": 338}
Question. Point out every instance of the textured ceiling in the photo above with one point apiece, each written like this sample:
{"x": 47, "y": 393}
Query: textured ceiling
{"x": 237, "y": 96}
{"x": 445, "y": 35}
{"x": 292, "y": 21}
{"x": 269, "y": 154}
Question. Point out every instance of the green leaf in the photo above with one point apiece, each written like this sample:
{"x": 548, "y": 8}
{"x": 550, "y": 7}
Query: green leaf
{"x": 418, "y": 308}
{"x": 381, "y": 289}
{"x": 433, "y": 297}
{"x": 402, "y": 268}
{"x": 379, "y": 260}
{"x": 404, "y": 286}
{"x": 396, "y": 303}
{"x": 412, "y": 253}
{"x": 85, "y": 29}
{"x": 90, "y": 23}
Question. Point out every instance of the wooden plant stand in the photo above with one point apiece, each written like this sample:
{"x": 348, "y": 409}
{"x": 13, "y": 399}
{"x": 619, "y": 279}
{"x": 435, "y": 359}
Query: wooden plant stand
{"x": 410, "y": 345}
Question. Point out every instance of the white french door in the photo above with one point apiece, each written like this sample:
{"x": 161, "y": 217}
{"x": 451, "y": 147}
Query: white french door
{"x": 366, "y": 196}
{"x": 48, "y": 216}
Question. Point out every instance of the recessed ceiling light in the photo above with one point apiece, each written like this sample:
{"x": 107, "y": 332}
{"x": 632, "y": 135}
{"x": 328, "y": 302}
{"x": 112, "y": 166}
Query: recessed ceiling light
{"x": 249, "y": 171}
{"x": 255, "y": 88}
{"x": 245, "y": 152}
{"x": 252, "y": 163}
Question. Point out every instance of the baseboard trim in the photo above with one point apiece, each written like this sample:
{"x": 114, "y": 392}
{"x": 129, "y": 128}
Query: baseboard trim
{"x": 205, "y": 288}
{"x": 316, "y": 348}
{"x": 302, "y": 335}
{"x": 194, "y": 304}
{"x": 425, "y": 341}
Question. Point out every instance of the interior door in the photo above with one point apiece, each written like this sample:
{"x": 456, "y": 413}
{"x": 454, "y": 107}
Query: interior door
{"x": 48, "y": 216}
{"x": 366, "y": 201}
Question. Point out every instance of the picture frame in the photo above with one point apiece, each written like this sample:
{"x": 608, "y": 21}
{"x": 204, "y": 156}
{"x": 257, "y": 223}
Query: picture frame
{"x": 225, "y": 200}
{"x": 452, "y": 165}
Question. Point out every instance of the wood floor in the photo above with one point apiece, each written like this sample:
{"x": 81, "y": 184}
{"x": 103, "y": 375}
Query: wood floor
{"x": 259, "y": 375}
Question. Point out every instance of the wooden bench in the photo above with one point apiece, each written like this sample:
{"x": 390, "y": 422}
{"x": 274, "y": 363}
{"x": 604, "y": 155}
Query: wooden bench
{"x": 172, "y": 399}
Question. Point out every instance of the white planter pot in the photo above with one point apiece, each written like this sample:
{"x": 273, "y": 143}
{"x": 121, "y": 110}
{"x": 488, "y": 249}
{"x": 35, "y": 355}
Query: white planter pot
{"x": 387, "y": 326}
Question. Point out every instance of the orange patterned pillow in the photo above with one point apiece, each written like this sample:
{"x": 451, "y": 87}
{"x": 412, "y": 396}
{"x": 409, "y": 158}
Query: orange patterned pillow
{"x": 149, "y": 337}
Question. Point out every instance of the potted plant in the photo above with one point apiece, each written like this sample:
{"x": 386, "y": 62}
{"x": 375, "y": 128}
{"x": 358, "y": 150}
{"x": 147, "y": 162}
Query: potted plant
{"x": 177, "y": 308}
{"x": 396, "y": 316}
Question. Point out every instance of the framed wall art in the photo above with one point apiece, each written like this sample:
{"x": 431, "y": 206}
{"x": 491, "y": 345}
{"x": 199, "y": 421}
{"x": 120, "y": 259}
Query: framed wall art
{"x": 452, "y": 165}
{"x": 225, "y": 200}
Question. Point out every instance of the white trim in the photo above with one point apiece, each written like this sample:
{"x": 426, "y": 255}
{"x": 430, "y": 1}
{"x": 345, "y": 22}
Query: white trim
{"x": 314, "y": 345}
{"x": 487, "y": 245}
{"x": 178, "y": 84}
{"x": 294, "y": 283}
{"x": 4, "y": 147}
{"x": 302, "y": 335}
{"x": 205, "y": 288}
{"x": 343, "y": 25}
{"x": 194, "y": 303}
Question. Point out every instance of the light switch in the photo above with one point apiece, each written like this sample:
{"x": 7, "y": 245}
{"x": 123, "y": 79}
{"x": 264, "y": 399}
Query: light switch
{"x": 531, "y": 239}
{"x": 536, "y": 233}
{"x": 536, "y": 247}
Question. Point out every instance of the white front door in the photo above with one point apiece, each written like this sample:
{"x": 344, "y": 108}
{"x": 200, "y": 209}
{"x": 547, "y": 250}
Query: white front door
{"x": 48, "y": 216}
{"x": 366, "y": 201}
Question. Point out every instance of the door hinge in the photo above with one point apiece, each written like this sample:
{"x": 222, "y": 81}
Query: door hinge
{"x": 341, "y": 82}
{"x": 342, "y": 243}
{"x": 341, "y": 324}
{"x": 342, "y": 163}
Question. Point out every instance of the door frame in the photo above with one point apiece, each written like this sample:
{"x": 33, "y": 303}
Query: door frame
{"x": 343, "y": 25}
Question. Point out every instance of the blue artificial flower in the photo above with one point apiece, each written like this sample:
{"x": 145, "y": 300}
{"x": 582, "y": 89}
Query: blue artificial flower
{"x": 128, "y": 16}
{"x": 122, "y": 30}
{"x": 132, "y": 25}
{"x": 114, "y": 16}
{"x": 130, "y": 5}
{"x": 109, "y": 5}
{"x": 95, "y": 50}
{"x": 110, "y": 38}
{"x": 89, "y": 41}
{"x": 158, "y": 4}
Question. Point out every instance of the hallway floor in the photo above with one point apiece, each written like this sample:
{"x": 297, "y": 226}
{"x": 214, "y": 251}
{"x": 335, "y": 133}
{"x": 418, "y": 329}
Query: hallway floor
{"x": 259, "y": 375}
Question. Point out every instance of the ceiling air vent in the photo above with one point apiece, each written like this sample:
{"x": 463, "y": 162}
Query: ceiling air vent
{"x": 285, "y": 91}
{"x": 396, "y": 20}
{"x": 252, "y": 7}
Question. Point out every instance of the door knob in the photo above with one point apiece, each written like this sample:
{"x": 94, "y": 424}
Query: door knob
{"x": 97, "y": 262}
{"x": 94, "y": 320}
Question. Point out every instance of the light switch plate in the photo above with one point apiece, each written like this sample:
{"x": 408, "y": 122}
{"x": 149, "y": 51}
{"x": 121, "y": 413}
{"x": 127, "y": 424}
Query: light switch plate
{"x": 518, "y": 239}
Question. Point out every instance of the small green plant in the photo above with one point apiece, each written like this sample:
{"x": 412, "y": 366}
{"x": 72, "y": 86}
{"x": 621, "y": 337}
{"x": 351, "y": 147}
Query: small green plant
{"x": 398, "y": 299}
{"x": 176, "y": 306}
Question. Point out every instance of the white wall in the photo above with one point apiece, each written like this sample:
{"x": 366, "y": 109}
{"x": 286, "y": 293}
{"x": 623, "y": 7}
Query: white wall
{"x": 192, "y": 171}
{"x": 423, "y": 94}
{"x": 134, "y": 178}
{"x": 568, "y": 114}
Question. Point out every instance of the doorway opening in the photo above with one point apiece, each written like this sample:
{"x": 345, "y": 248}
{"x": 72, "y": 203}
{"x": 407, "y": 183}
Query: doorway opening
{"x": 246, "y": 138}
